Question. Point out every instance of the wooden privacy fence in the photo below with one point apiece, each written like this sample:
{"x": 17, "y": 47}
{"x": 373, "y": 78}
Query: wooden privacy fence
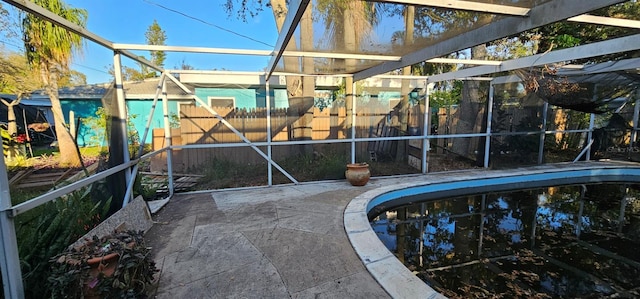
{"x": 199, "y": 126}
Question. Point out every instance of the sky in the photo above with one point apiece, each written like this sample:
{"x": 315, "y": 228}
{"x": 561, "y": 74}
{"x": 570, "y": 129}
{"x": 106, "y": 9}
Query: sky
{"x": 126, "y": 21}
{"x": 195, "y": 23}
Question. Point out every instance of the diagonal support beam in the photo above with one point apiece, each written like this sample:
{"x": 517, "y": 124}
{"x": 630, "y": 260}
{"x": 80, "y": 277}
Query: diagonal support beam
{"x": 288, "y": 28}
{"x": 228, "y": 125}
{"x": 540, "y": 15}
{"x": 621, "y": 44}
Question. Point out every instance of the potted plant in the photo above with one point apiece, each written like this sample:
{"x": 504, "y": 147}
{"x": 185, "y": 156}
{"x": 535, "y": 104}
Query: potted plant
{"x": 117, "y": 265}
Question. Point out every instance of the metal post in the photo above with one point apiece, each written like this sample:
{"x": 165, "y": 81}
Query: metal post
{"x": 167, "y": 137}
{"x": 543, "y": 135}
{"x": 592, "y": 121}
{"x": 423, "y": 214}
{"x": 150, "y": 119}
{"x": 122, "y": 116}
{"x": 353, "y": 121}
{"x": 487, "y": 141}
{"x": 134, "y": 172}
{"x": 636, "y": 112}
{"x": 483, "y": 209}
{"x": 583, "y": 190}
{"x": 592, "y": 118}
{"x": 9, "y": 258}
{"x": 269, "y": 146}
{"x": 426, "y": 128}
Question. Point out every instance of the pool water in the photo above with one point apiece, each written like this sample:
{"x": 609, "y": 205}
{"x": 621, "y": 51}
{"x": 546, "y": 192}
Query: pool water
{"x": 564, "y": 241}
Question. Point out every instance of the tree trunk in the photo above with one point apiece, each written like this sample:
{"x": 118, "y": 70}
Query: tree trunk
{"x": 300, "y": 90}
{"x": 12, "y": 126}
{"x": 405, "y": 89}
{"x": 349, "y": 45}
{"x": 69, "y": 156}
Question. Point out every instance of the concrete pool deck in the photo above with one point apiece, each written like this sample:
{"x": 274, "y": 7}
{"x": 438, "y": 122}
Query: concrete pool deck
{"x": 293, "y": 241}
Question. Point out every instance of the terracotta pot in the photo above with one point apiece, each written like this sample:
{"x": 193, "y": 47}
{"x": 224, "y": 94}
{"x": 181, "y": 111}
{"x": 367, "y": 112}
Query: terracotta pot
{"x": 103, "y": 264}
{"x": 358, "y": 174}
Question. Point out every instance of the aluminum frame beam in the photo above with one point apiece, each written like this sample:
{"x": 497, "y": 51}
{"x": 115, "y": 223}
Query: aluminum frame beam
{"x": 296, "y": 10}
{"x": 621, "y": 44}
{"x": 598, "y": 20}
{"x": 540, "y": 15}
{"x": 186, "y": 49}
{"x": 468, "y": 5}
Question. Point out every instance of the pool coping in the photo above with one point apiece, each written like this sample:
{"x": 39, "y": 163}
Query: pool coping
{"x": 397, "y": 279}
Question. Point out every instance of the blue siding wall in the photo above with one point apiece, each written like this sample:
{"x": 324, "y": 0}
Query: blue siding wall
{"x": 244, "y": 98}
{"x": 140, "y": 108}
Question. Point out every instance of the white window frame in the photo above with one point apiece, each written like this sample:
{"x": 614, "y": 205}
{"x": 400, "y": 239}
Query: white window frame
{"x": 210, "y": 98}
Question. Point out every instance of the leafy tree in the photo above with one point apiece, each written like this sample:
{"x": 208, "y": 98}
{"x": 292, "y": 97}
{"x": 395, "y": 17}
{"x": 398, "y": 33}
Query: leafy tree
{"x": 569, "y": 34}
{"x": 129, "y": 73}
{"x": 17, "y": 78}
{"x": 8, "y": 23}
{"x": 156, "y": 36}
{"x": 15, "y": 75}
{"x": 49, "y": 51}
{"x": 72, "y": 78}
{"x": 446, "y": 96}
{"x": 184, "y": 66}
{"x": 95, "y": 128}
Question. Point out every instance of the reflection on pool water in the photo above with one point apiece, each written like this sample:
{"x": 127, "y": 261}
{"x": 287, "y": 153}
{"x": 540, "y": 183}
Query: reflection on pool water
{"x": 565, "y": 241}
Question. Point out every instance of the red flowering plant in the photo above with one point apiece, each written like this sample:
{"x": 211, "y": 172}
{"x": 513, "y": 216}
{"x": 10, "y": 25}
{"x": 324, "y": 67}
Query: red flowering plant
{"x": 11, "y": 142}
{"x": 20, "y": 138}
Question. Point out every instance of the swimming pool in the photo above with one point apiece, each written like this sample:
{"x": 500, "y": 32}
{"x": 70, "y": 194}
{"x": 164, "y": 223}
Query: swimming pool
{"x": 391, "y": 273}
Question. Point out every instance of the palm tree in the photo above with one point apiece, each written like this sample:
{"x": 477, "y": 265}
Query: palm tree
{"x": 49, "y": 50}
{"x": 354, "y": 19}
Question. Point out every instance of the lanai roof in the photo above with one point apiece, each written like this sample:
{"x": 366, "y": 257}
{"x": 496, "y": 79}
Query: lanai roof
{"x": 380, "y": 52}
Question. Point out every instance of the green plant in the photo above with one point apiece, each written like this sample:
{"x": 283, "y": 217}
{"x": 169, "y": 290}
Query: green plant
{"x": 48, "y": 229}
{"x": 147, "y": 187}
{"x": 13, "y": 149}
{"x": 219, "y": 173}
{"x": 174, "y": 120}
{"x": 324, "y": 164}
{"x": 95, "y": 128}
{"x": 73, "y": 277}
